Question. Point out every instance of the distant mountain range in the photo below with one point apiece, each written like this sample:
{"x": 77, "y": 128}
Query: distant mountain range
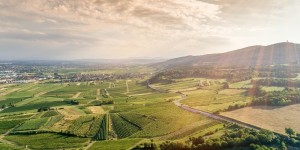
{"x": 128, "y": 61}
{"x": 280, "y": 53}
{"x": 104, "y": 62}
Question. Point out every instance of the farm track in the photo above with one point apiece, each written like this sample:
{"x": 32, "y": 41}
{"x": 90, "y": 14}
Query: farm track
{"x": 76, "y": 95}
{"x": 8, "y": 92}
{"x": 40, "y": 94}
{"x": 127, "y": 87}
{"x": 90, "y": 145}
{"x": 98, "y": 94}
{"x": 207, "y": 114}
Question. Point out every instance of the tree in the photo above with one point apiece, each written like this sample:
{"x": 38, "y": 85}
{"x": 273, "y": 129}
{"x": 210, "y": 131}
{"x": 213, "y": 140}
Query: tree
{"x": 226, "y": 85}
{"x": 289, "y": 131}
{"x": 3, "y": 106}
{"x": 282, "y": 146}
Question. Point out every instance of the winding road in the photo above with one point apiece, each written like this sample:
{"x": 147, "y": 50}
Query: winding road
{"x": 207, "y": 114}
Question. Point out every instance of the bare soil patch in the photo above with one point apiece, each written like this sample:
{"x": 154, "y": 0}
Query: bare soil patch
{"x": 96, "y": 109}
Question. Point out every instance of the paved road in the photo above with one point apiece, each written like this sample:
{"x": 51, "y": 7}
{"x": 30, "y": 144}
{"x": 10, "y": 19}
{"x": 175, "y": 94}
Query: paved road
{"x": 207, "y": 114}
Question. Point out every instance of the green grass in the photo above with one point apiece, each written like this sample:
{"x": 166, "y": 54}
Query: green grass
{"x": 48, "y": 141}
{"x": 272, "y": 88}
{"x": 188, "y": 83}
{"x": 242, "y": 84}
{"x": 122, "y": 144}
{"x": 8, "y": 147}
{"x": 212, "y": 101}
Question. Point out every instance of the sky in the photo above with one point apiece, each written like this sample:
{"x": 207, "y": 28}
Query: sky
{"x": 118, "y": 29}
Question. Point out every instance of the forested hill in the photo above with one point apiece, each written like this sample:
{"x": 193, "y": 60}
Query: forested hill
{"x": 280, "y": 53}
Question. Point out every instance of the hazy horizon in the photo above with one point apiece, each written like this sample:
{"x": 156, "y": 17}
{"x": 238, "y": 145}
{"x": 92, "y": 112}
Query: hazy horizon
{"x": 115, "y": 29}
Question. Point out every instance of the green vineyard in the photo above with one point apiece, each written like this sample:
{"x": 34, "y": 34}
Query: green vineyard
{"x": 102, "y": 133}
{"x": 123, "y": 127}
{"x": 85, "y": 126}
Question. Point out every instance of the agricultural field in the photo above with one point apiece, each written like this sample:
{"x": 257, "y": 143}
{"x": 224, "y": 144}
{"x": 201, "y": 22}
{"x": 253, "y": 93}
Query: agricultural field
{"x": 6, "y": 125}
{"x": 126, "y": 111}
{"x": 187, "y": 84}
{"x": 48, "y": 141}
{"x": 272, "y": 118}
{"x": 111, "y": 114}
{"x": 115, "y": 144}
{"x": 213, "y": 101}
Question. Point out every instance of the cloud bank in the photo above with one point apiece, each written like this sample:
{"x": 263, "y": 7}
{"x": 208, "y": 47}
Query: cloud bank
{"x": 76, "y": 29}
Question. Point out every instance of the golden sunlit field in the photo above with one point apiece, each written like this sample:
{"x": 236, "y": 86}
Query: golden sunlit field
{"x": 272, "y": 118}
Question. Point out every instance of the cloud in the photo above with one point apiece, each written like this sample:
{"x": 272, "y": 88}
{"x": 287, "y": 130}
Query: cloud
{"x": 135, "y": 28}
{"x": 102, "y": 26}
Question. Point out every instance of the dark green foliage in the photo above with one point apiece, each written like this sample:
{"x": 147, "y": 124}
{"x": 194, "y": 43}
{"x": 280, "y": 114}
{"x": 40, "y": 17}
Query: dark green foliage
{"x": 259, "y": 147}
{"x": 44, "y": 109}
{"x": 279, "y": 98}
{"x": 283, "y": 146}
{"x": 289, "y": 131}
{"x": 173, "y": 146}
{"x": 277, "y": 82}
{"x": 73, "y": 102}
{"x": 102, "y": 102}
{"x": 102, "y": 133}
{"x": 234, "y": 137}
{"x": 146, "y": 146}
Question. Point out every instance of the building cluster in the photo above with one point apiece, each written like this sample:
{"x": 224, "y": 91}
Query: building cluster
{"x": 97, "y": 77}
{"x": 9, "y": 76}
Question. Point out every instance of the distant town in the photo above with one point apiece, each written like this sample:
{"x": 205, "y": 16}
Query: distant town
{"x": 11, "y": 73}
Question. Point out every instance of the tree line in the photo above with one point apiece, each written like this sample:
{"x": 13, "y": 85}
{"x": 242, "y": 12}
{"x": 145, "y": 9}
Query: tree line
{"x": 233, "y": 137}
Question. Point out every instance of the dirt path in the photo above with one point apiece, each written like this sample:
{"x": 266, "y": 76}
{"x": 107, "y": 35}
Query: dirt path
{"x": 76, "y": 95}
{"x": 98, "y": 94}
{"x": 10, "y": 91}
{"x": 96, "y": 109}
{"x": 90, "y": 145}
{"x": 127, "y": 87}
{"x": 40, "y": 94}
{"x": 142, "y": 94}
